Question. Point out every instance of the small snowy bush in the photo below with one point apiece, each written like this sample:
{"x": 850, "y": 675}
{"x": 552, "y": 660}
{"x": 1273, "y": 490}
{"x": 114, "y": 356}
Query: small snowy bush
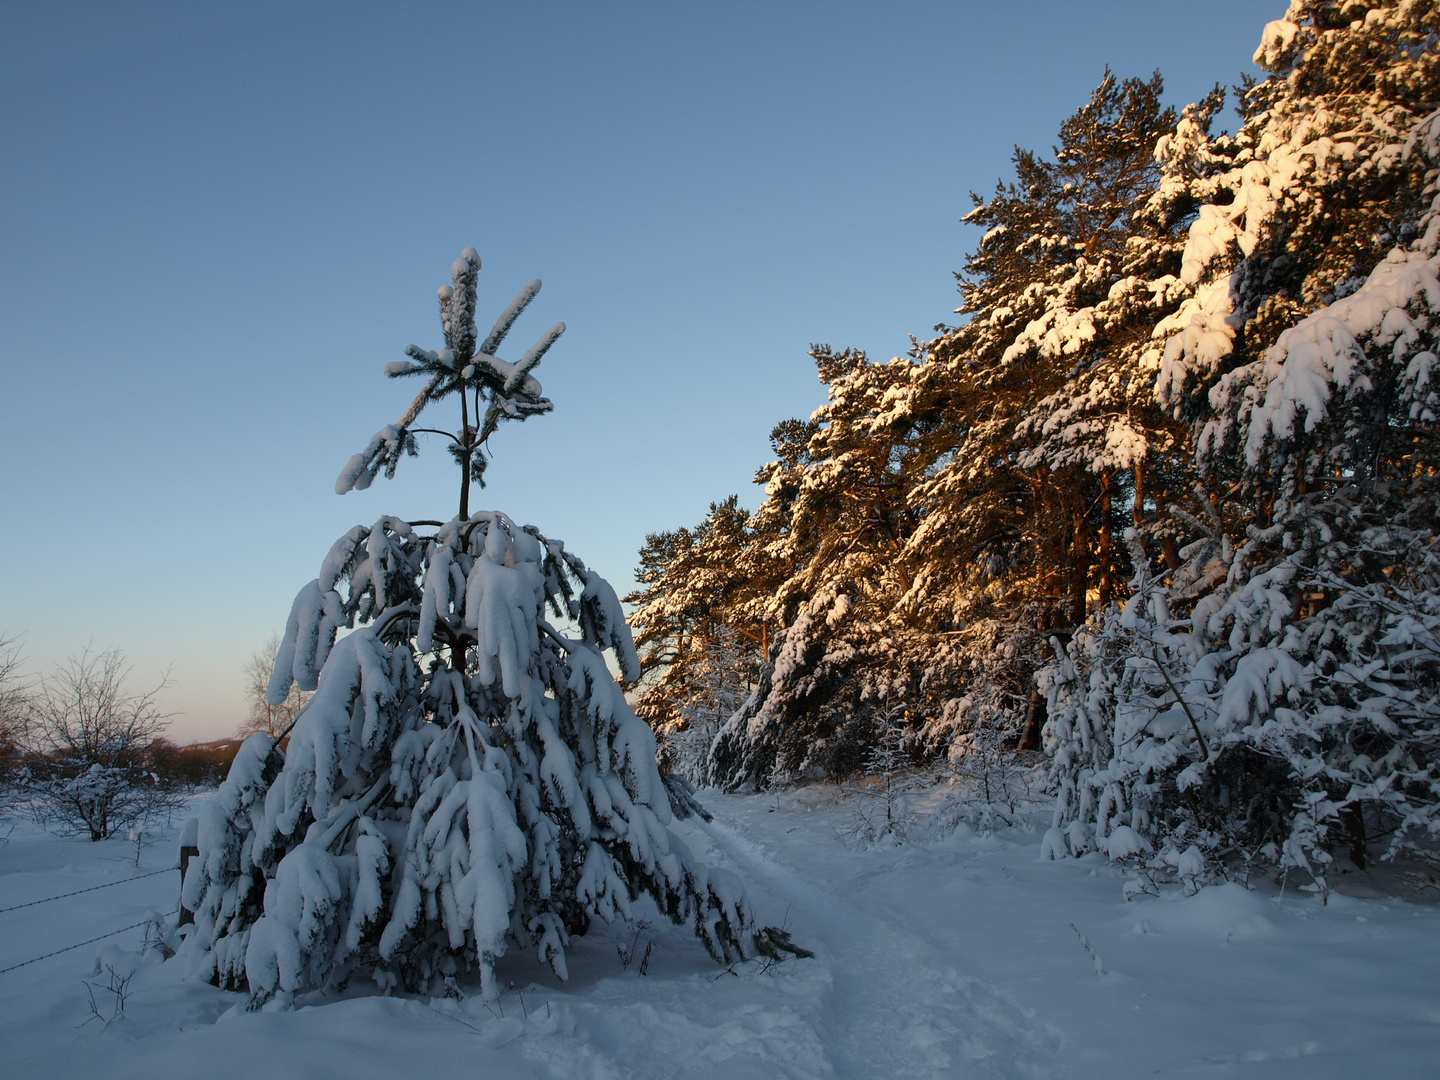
{"x": 991, "y": 785}
{"x": 1264, "y": 728}
{"x": 881, "y": 798}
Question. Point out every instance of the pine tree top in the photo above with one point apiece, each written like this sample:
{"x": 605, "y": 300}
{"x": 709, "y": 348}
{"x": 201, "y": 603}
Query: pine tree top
{"x": 467, "y": 365}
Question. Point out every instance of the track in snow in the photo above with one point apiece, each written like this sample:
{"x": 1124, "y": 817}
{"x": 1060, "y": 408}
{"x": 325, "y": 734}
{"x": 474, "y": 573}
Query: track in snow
{"x": 894, "y": 1004}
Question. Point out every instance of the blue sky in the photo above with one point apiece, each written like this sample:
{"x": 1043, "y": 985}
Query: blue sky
{"x": 219, "y": 221}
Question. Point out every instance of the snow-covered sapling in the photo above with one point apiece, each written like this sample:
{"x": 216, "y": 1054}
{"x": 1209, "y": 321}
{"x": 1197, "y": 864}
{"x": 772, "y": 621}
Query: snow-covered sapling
{"x": 991, "y": 786}
{"x": 468, "y": 776}
{"x": 880, "y": 799}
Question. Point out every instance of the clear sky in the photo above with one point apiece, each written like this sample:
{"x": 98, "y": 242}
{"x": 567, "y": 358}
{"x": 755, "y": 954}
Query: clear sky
{"x": 217, "y": 221}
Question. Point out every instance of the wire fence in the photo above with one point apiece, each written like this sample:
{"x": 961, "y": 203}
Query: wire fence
{"x": 78, "y": 892}
{"x": 82, "y": 944}
{"x": 93, "y": 888}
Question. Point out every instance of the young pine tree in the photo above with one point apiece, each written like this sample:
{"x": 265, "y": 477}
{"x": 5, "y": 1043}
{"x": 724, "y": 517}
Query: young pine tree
{"x": 468, "y": 776}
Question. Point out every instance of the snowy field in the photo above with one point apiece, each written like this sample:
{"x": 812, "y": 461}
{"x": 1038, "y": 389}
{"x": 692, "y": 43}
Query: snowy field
{"x": 960, "y": 958}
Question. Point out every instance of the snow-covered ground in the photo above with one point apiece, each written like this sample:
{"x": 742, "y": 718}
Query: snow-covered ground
{"x": 960, "y": 958}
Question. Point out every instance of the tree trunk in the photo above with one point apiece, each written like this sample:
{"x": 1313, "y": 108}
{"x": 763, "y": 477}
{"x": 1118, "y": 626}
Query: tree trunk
{"x": 467, "y": 446}
{"x": 1172, "y": 557}
{"x": 1079, "y": 569}
{"x": 1138, "y": 510}
{"x": 1034, "y": 721}
{"x": 1355, "y": 825}
{"x": 1266, "y": 508}
{"x": 1106, "y": 552}
{"x": 1045, "y": 619}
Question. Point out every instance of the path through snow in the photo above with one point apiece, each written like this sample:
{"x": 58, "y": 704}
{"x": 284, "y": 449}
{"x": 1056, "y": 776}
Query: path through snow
{"x": 895, "y": 1004}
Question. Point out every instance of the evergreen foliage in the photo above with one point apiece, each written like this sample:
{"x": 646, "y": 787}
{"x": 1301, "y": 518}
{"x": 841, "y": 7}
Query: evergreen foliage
{"x": 467, "y": 776}
{"x": 469, "y": 368}
{"x": 1166, "y": 493}
{"x": 1276, "y": 697}
{"x": 699, "y": 637}
{"x": 1043, "y": 390}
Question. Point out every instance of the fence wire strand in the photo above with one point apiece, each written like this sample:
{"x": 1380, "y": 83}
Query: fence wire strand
{"x": 81, "y": 945}
{"x": 77, "y": 892}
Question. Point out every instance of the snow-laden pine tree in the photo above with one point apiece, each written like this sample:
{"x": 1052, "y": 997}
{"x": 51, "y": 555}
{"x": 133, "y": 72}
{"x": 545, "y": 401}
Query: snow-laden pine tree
{"x": 1046, "y": 426}
{"x": 697, "y": 635}
{"x": 1277, "y": 700}
{"x": 946, "y": 511}
{"x": 1328, "y": 175}
{"x": 467, "y": 777}
{"x": 835, "y": 520}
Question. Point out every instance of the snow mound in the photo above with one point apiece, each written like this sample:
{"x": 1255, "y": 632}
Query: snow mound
{"x": 1225, "y": 912}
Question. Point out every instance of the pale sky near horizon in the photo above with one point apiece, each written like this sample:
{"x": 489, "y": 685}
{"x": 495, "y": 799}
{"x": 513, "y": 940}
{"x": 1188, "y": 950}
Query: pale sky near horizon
{"x": 218, "y": 221}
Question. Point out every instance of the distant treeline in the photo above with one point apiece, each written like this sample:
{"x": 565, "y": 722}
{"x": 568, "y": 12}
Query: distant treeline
{"x": 197, "y": 765}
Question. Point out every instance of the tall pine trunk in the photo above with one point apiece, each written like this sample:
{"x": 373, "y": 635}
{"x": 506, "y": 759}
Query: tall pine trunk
{"x": 1079, "y": 568}
{"x": 1138, "y": 510}
{"x": 1106, "y": 552}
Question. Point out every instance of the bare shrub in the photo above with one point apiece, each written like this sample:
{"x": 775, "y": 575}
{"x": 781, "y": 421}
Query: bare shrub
{"x": 90, "y": 735}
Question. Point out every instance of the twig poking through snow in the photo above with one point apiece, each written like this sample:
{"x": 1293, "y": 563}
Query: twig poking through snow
{"x": 1099, "y": 964}
{"x": 119, "y": 988}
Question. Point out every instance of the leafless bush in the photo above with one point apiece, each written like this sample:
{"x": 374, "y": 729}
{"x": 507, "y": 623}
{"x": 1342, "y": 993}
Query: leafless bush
{"x": 14, "y": 719}
{"x": 89, "y": 737}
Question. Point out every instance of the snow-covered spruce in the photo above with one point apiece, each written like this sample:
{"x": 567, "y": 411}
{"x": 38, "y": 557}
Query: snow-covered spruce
{"x": 467, "y": 777}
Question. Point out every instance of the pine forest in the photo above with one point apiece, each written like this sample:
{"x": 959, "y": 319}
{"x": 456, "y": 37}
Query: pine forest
{"x": 1159, "y": 502}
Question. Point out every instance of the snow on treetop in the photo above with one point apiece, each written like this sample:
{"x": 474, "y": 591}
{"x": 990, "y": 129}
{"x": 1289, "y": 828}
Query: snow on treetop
{"x": 1275, "y": 43}
{"x": 1334, "y": 350}
{"x": 497, "y": 389}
